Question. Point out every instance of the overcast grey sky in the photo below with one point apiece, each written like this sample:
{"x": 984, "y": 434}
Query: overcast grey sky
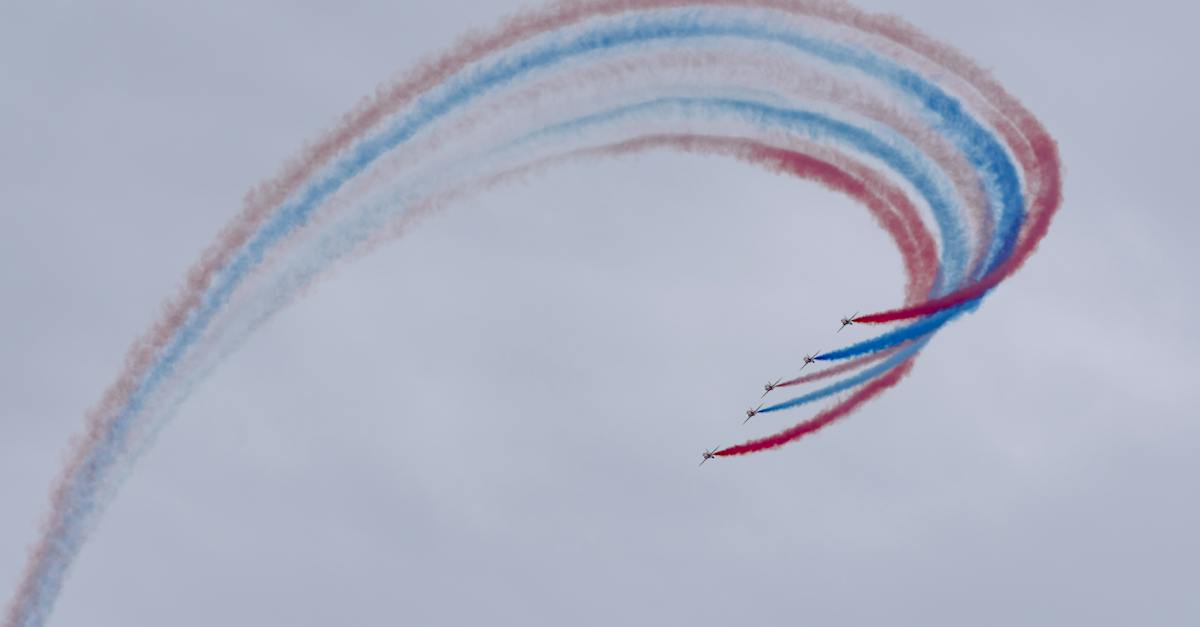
{"x": 497, "y": 419}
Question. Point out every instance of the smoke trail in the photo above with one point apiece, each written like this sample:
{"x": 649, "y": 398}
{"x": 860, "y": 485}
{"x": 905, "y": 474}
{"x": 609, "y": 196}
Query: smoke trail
{"x": 853, "y": 364}
{"x": 879, "y": 131}
{"x": 825, "y": 418}
{"x": 847, "y": 383}
{"x": 899, "y": 336}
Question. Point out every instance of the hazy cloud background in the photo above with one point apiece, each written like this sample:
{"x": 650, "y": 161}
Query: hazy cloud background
{"x": 497, "y": 420}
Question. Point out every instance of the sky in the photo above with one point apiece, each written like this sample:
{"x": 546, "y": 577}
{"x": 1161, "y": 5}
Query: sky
{"x": 497, "y": 419}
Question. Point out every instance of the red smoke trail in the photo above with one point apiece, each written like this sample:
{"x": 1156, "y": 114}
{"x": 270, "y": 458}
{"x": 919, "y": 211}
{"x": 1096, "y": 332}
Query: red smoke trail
{"x": 917, "y": 256}
{"x": 889, "y": 205}
{"x": 1032, "y": 145}
{"x": 1044, "y": 206}
{"x": 880, "y": 197}
{"x": 825, "y": 418}
{"x": 885, "y": 202}
{"x": 1035, "y": 150}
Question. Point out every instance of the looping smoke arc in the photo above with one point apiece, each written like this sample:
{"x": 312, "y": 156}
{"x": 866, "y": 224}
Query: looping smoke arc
{"x": 957, "y": 172}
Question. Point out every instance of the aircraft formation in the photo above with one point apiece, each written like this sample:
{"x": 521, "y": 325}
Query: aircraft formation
{"x": 771, "y": 385}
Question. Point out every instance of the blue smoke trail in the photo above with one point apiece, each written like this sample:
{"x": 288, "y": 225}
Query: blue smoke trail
{"x": 849, "y": 382}
{"x": 922, "y": 327}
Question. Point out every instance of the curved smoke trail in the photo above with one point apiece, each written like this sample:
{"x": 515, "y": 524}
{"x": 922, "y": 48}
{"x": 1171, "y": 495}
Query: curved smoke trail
{"x": 958, "y": 173}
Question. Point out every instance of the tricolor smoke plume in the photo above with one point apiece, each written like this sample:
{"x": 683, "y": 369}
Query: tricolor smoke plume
{"x": 958, "y": 173}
